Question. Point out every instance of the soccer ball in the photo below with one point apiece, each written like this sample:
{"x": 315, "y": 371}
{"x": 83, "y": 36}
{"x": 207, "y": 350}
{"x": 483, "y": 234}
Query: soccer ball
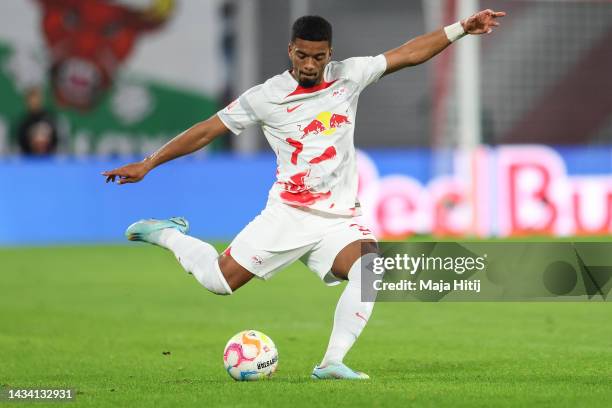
{"x": 249, "y": 356}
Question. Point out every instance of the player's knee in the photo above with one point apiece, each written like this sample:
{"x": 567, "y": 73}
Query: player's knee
{"x": 350, "y": 257}
{"x": 217, "y": 283}
{"x": 368, "y": 247}
{"x": 234, "y": 274}
{"x": 364, "y": 264}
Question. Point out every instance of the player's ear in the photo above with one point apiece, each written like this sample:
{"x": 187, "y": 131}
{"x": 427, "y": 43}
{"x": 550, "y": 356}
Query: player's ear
{"x": 290, "y": 48}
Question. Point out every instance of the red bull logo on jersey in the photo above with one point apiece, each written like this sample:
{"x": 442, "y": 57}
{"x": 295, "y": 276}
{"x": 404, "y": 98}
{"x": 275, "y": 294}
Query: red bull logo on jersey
{"x": 325, "y": 123}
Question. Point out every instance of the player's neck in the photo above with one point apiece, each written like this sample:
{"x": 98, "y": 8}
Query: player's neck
{"x": 318, "y": 83}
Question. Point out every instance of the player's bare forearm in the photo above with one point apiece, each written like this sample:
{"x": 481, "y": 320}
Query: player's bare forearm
{"x": 191, "y": 140}
{"x": 425, "y": 47}
{"x": 416, "y": 51}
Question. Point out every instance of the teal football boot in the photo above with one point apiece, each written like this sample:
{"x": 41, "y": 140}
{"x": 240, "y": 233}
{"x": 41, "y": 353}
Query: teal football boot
{"x": 148, "y": 230}
{"x": 337, "y": 371}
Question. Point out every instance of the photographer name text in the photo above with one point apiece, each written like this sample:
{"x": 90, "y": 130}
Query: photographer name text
{"x": 429, "y": 285}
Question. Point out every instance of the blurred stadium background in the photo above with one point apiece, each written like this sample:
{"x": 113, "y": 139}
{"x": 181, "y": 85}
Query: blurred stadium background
{"x": 506, "y": 135}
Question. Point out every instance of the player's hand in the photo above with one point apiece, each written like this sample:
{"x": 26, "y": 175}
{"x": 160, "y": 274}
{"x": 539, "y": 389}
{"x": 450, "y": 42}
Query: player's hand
{"x": 482, "y": 22}
{"x": 130, "y": 173}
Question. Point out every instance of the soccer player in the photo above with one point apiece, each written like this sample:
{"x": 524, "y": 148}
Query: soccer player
{"x": 307, "y": 115}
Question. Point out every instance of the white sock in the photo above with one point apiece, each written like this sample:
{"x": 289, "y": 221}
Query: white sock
{"x": 197, "y": 257}
{"x": 351, "y": 315}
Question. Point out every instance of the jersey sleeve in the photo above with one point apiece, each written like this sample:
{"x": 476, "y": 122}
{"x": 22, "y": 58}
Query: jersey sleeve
{"x": 240, "y": 114}
{"x": 365, "y": 70}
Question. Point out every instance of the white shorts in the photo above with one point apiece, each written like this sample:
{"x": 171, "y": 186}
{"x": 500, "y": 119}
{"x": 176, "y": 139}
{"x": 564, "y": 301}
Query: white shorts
{"x": 282, "y": 234}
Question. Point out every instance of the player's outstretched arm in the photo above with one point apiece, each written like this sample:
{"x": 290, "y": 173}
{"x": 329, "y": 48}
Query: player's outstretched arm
{"x": 424, "y": 47}
{"x": 194, "y": 138}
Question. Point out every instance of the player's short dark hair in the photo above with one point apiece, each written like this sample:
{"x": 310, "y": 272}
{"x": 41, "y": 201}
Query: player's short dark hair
{"x": 312, "y": 28}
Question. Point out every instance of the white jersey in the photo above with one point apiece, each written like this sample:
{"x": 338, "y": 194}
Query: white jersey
{"x": 311, "y": 131}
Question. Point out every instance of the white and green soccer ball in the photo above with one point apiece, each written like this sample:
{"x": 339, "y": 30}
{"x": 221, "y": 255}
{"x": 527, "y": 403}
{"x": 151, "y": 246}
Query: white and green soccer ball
{"x": 249, "y": 356}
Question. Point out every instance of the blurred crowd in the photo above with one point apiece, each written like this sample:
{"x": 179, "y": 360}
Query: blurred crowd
{"x": 37, "y": 129}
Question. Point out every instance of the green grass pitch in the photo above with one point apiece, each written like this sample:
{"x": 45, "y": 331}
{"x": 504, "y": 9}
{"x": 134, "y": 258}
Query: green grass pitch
{"x": 99, "y": 319}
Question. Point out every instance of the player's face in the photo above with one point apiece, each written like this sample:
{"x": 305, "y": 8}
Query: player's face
{"x": 309, "y": 59}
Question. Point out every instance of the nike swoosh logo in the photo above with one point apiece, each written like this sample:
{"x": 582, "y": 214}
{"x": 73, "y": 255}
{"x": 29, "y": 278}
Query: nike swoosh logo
{"x": 180, "y": 222}
{"x": 289, "y": 110}
{"x": 361, "y": 317}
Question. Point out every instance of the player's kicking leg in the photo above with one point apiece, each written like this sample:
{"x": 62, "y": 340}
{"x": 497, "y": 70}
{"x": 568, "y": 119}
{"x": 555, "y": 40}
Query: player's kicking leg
{"x": 351, "y": 313}
{"x": 220, "y": 275}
